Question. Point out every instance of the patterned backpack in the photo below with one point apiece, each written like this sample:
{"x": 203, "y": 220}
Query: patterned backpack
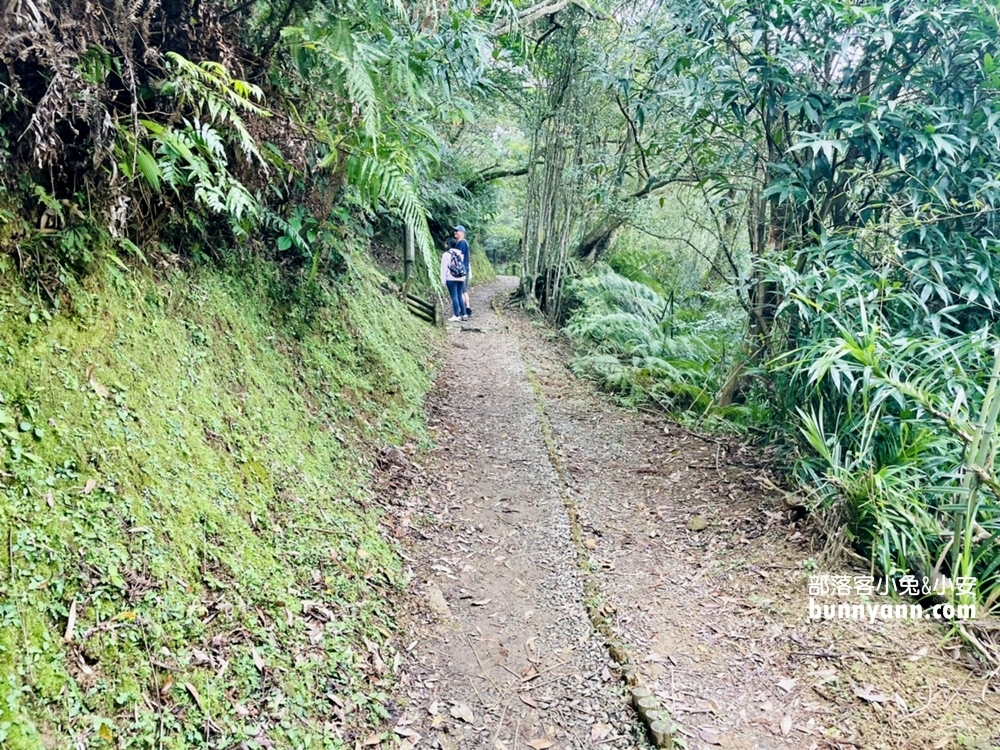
{"x": 456, "y": 265}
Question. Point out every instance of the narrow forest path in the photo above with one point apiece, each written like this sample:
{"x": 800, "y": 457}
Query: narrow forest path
{"x": 550, "y": 524}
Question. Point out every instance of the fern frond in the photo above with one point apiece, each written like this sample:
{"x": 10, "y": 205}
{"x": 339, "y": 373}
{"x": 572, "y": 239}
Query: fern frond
{"x": 382, "y": 182}
{"x": 217, "y": 98}
{"x": 240, "y": 203}
{"x": 208, "y": 139}
{"x": 361, "y": 89}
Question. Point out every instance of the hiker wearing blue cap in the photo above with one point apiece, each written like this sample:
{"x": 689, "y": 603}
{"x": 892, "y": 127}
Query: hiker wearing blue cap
{"x": 462, "y": 245}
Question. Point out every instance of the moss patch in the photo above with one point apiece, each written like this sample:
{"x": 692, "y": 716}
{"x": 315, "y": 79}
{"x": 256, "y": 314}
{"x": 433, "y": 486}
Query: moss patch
{"x": 184, "y": 480}
{"x": 482, "y": 269}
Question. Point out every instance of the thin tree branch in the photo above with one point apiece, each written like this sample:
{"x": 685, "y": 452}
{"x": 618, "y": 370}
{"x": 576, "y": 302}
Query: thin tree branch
{"x": 495, "y": 174}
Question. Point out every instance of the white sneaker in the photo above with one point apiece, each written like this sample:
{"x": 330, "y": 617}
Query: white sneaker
{"x": 454, "y": 319}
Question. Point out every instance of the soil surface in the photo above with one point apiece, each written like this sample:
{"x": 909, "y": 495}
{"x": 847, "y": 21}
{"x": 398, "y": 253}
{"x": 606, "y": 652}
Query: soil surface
{"x": 563, "y": 549}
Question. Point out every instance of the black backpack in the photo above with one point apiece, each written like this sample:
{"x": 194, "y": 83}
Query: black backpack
{"x": 456, "y": 266}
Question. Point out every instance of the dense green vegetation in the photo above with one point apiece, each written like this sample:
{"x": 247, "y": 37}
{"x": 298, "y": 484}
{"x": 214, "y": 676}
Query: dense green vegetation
{"x": 190, "y": 548}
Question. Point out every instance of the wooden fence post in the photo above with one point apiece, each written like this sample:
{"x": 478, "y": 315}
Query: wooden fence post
{"x": 408, "y": 253}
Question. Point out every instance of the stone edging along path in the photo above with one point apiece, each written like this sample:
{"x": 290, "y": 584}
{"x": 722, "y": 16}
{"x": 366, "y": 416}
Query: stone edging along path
{"x": 658, "y": 722}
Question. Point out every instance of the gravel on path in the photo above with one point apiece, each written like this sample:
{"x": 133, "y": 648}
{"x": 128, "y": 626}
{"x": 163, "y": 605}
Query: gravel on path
{"x": 504, "y": 653}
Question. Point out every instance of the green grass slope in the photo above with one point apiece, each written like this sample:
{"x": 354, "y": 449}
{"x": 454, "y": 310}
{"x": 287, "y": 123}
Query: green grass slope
{"x": 482, "y": 269}
{"x": 189, "y": 554}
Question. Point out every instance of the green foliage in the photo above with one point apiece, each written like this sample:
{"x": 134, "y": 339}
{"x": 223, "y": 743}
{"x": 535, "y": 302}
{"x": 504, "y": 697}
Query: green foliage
{"x": 185, "y": 469}
{"x": 192, "y": 159}
{"x": 214, "y": 97}
{"x": 890, "y": 421}
{"x": 176, "y": 145}
{"x": 629, "y": 341}
{"x": 372, "y": 96}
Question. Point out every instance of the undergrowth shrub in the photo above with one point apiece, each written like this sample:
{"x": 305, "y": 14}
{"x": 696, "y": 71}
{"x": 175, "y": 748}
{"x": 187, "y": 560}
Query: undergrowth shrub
{"x": 889, "y": 402}
{"x": 630, "y": 343}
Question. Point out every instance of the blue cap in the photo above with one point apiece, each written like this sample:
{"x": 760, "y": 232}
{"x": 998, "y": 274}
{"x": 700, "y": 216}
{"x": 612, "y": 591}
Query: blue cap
{"x": 460, "y": 228}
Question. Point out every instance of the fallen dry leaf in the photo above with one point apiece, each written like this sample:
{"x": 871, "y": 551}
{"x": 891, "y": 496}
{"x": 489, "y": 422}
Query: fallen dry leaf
{"x": 257, "y": 660}
{"x": 870, "y": 694}
{"x": 599, "y": 731}
{"x": 82, "y": 664}
{"x": 786, "y": 725}
{"x": 463, "y": 712}
{"x": 199, "y": 657}
{"x": 377, "y": 662}
{"x": 540, "y": 744}
{"x": 787, "y": 684}
{"x": 710, "y": 735}
{"x": 70, "y": 623}
{"x": 194, "y": 694}
{"x": 373, "y": 739}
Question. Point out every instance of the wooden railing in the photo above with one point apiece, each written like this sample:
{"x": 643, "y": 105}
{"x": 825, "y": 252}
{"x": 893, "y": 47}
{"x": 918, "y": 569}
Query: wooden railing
{"x": 421, "y": 308}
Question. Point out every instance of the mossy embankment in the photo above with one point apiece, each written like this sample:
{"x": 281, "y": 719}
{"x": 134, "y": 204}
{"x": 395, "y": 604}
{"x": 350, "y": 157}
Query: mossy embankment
{"x": 482, "y": 269}
{"x": 190, "y": 555}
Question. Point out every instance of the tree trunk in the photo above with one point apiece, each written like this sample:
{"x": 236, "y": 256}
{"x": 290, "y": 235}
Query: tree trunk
{"x": 596, "y": 241}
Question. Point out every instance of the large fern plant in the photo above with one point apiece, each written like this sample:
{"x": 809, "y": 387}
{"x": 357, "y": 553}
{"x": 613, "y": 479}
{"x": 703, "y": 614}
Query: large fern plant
{"x": 627, "y": 339}
{"x": 370, "y": 115}
{"x": 190, "y": 156}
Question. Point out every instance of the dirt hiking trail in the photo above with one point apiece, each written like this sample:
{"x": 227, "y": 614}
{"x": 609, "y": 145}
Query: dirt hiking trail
{"x": 563, "y": 548}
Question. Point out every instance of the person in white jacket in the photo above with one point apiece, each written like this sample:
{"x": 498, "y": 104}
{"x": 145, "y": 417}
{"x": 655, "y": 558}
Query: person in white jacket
{"x": 453, "y": 275}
